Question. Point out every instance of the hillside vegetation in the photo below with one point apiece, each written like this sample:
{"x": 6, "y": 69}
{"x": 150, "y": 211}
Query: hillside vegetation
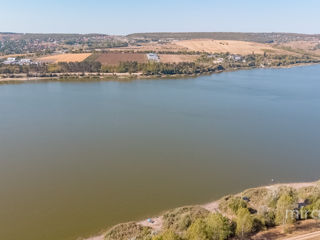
{"x": 239, "y": 216}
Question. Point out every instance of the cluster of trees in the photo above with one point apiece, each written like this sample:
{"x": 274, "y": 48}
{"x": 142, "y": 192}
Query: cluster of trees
{"x": 124, "y": 67}
{"x": 65, "y": 67}
{"x": 16, "y": 69}
{"x": 62, "y": 67}
{"x": 154, "y": 68}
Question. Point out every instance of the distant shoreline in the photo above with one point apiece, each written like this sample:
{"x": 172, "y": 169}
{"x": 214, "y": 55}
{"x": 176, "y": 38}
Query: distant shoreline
{"x": 123, "y": 77}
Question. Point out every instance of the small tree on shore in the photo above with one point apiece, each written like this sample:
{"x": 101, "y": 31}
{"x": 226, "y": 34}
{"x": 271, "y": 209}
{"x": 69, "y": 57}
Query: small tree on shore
{"x": 197, "y": 230}
{"x": 244, "y": 223}
{"x": 285, "y": 213}
{"x": 218, "y": 227}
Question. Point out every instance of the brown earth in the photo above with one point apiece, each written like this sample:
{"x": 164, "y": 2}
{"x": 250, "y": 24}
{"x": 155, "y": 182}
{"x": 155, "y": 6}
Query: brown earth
{"x": 114, "y": 59}
{"x": 301, "y": 230}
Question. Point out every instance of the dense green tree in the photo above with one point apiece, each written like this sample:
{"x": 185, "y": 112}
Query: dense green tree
{"x": 285, "y": 212}
{"x": 197, "y": 230}
{"x": 167, "y": 235}
{"x": 218, "y": 227}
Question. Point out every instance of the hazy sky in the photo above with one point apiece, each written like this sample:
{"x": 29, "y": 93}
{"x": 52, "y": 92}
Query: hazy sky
{"x": 122, "y": 17}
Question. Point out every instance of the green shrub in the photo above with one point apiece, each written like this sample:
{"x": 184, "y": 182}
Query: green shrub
{"x": 213, "y": 227}
{"x": 167, "y": 235}
{"x": 309, "y": 193}
{"x": 128, "y": 231}
{"x": 231, "y": 204}
{"x": 258, "y": 196}
{"x": 218, "y": 227}
{"x": 282, "y": 191}
{"x": 180, "y": 219}
{"x": 197, "y": 230}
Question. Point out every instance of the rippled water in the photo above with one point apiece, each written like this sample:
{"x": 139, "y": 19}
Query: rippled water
{"x": 76, "y": 158}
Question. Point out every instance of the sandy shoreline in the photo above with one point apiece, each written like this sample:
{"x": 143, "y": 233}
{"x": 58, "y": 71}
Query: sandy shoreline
{"x": 213, "y": 207}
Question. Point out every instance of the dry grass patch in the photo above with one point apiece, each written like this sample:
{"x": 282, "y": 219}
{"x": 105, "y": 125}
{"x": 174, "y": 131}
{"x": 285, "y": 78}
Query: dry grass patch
{"x": 175, "y": 58}
{"x": 68, "y": 57}
{"x": 223, "y": 46}
{"x": 311, "y": 47}
{"x": 128, "y": 231}
{"x": 180, "y": 219}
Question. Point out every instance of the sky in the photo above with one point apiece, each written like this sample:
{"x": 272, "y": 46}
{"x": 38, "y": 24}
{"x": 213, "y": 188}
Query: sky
{"x": 130, "y": 16}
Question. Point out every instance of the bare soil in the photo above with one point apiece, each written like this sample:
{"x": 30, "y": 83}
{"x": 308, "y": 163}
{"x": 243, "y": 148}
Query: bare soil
{"x": 115, "y": 59}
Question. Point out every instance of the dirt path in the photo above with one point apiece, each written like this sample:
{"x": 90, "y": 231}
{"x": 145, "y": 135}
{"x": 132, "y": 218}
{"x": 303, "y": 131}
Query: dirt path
{"x": 308, "y": 236}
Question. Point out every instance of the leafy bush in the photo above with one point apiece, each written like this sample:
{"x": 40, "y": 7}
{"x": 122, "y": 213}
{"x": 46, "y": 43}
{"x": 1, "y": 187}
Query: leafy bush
{"x": 258, "y": 196}
{"x": 231, "y": 204}
{"x": 197, "y": 231}
{"x": 218, "y": 227}
{"x": 128, "y": 231}
{"x": 167, "y": 235}
{"x": 180, "y": 219}
{"x": 309, "y": 193}
{"x": 213, "y": 227}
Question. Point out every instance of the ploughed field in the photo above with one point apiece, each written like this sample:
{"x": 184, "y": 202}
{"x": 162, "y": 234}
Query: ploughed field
{"x": 115, "y": 59}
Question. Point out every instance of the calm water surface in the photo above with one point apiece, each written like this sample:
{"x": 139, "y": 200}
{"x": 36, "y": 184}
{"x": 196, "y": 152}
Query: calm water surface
{"x": 78, "y": 157}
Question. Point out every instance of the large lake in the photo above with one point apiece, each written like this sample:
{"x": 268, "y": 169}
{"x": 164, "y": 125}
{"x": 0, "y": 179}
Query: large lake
{"x": 77, "y": 157}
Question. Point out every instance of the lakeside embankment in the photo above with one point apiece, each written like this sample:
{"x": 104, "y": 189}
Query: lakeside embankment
{"x": 254, "y": 199}
{"x": 97, "y": 76}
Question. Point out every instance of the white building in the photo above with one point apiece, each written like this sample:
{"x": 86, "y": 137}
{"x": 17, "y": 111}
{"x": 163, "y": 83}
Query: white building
{"x": 219, "y": 60}
{"x": 10, "y": 61}
{"x": 24, "y": 61}
{"x": 153, "y": 57}
{"x": 235, "y": 58}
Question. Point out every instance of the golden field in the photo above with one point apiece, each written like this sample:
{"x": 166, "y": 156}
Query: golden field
{"x": 67, "y": 57}
{"x": 223, "y": 46}
{"x": 172, "y": 58}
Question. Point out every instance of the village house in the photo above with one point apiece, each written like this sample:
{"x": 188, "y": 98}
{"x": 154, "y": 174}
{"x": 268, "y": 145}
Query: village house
{"x": 9, "y": 61}
{"x": 153, "y": 57}
{"x": 219, "y": 60}
{"x": 235, "y": 58}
